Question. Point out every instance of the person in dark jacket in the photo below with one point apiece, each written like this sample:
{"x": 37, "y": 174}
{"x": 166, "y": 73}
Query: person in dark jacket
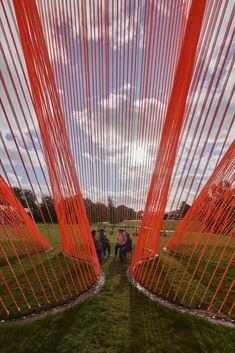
{"x": 98, "y": 245}
{"x": 127, "y": 247}
{"x": 105, "y": 242}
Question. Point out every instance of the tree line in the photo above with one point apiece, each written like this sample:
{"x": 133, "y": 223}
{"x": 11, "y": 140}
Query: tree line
{"x": 96, "y": 211}
{"x": 220, "y": 195}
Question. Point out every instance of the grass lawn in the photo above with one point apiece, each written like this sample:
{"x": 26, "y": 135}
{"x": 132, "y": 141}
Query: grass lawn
{"x": 117, "y": 319}
{"x": 169, "y": 283}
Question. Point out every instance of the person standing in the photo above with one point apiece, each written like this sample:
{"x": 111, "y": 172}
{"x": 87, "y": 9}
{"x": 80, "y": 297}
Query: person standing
{"x": 104, "y": 242}
{"x": 98, "y": 245}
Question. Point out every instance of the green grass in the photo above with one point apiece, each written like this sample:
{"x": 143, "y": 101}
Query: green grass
{"x": 166, "y": 278}
{"x": 117, "y": 319}
{"x": 57, "y": 279}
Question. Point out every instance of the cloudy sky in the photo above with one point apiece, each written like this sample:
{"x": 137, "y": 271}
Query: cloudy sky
{"x": 114, "y": 65}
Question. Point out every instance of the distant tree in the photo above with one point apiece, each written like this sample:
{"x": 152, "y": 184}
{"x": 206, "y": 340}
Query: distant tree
{"x": 130, "y": 213}
{"x": 112, "y": 212}
{"x": 88, "y": 205}
{"x": 18, "y": 193}
{"x": 96, "y": 212}
{"x": 139, "y": 214}
{"x": 184, "y": 208}
{"x": 101, "y": 212}
{"x": 47, "y": 205}
{"x": 31, "y": 202}
{"x": 121, "y": 213}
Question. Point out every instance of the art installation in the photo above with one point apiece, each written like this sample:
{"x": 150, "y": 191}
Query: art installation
{"x": 23, "y": 231}
{"x": 116, "y": 111}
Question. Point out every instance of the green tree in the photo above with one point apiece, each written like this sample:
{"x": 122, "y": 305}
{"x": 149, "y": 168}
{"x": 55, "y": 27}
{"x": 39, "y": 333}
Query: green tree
{"x": 48, "y": 210}
{"x": 31, "y": 201}
{"x": 112, "y": 214}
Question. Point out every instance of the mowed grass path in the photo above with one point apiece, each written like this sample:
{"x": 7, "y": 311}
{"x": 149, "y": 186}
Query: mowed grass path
{"x": 117, "y": 319}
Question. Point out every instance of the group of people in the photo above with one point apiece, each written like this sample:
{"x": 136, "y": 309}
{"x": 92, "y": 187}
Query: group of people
{"x": 102, "y": 244}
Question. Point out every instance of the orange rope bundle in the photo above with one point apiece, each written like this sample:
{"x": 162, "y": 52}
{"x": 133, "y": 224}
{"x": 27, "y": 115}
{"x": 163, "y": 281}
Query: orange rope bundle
{"x": 18, "y": 230}
{"x": 173, "y": 275}
{"x": 148, "y": 241}
{"x": 37, "y": 277}
{"x": 77, "y": 240}
{"x": 211, "y": 219}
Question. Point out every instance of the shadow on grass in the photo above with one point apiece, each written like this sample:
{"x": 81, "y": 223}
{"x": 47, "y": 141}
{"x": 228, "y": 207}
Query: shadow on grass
{"x": 119, "y": 319}
{"x": 157, "y": 329}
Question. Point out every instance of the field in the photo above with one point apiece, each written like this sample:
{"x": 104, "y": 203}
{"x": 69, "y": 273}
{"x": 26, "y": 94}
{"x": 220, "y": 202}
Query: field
{"x": 117, "y": 319}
